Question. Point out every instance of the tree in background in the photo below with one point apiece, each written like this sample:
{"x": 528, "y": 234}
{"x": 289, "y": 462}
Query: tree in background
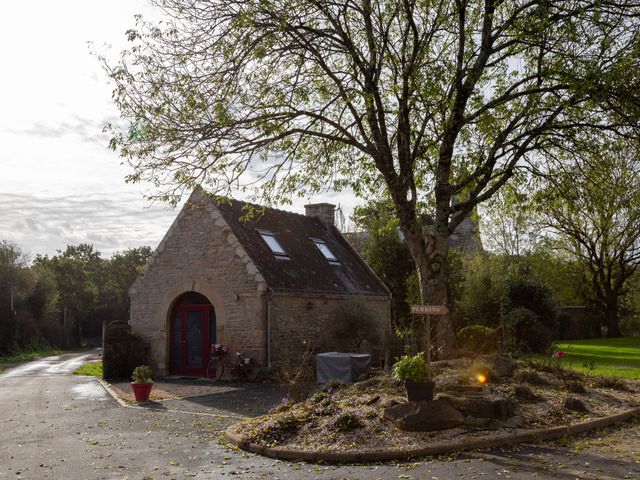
{"x": 385, "y": 252}
{"x": 429, "y": 100}
{"x": 591, "y": 201}
{"x": 14, "y": 281}
{"x": 116, "y": 277}
{"x": 92, "y": 289}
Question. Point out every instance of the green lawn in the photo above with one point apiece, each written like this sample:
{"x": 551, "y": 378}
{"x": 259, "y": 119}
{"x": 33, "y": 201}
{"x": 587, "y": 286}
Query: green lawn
{"x": 90, "y": 369}
{"x": 30, "y": 354}
{"x": 611, "y": 357}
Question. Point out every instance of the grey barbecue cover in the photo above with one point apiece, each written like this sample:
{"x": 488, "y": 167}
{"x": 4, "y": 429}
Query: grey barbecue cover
{"x": 346, "y": 367}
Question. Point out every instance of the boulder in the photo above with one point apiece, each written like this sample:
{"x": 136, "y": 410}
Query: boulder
{"x": 424, "y": 416}
{"x": 485, "y": 406}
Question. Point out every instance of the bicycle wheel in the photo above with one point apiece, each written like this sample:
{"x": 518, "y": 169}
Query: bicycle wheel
{"x": 215, "y": 370}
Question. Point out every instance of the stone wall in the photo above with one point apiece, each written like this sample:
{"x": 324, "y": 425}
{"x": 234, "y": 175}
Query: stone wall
{"x": 200, "y": 253}
{"x": 296, "y": 319}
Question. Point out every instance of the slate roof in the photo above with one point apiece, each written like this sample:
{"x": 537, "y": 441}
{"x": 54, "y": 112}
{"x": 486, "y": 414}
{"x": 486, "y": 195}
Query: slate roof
{"x": 305, "y": 270}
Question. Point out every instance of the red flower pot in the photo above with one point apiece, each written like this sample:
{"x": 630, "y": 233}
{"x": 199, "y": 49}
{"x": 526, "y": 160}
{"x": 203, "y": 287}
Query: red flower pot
{"x": 141, "y": 391}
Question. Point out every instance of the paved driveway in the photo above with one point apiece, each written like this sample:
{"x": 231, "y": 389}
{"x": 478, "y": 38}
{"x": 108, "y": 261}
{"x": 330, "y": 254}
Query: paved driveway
{"x": 54, "y": 425}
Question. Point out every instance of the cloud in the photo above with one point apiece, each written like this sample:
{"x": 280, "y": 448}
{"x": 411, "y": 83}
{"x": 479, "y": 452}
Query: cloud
{"x": 84, "y": 129}
{"x": 46, "y": 223}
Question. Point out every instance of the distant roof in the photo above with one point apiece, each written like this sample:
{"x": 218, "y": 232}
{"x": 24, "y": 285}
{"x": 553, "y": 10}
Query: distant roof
{"x": 304, "y": 269}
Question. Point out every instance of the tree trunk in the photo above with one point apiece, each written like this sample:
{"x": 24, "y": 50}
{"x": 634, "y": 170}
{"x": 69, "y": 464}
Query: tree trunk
{"x": 433, "y": 275}
{"x": 611, "y": 318}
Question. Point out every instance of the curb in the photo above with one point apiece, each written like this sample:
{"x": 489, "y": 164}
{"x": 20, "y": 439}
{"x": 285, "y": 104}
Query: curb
{"x": 122, "y": 403}
{"x": 434, "y": 449}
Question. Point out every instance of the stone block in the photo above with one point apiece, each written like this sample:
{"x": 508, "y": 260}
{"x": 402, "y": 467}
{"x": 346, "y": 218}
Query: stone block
{"x": 485, "y": 406}
{"x": 424, "y": 416}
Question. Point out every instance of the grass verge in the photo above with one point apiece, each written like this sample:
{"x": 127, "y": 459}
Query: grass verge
{"x": 30, "y": 354}
{"x": 603, "y": 357}
{"x": 93, "y": 369}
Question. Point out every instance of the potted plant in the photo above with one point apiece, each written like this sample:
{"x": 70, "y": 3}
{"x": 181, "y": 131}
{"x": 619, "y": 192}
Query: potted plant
{"x": 414, "y": 372}
{"x": 142, "y": 383}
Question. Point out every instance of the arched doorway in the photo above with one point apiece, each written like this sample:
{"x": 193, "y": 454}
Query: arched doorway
{"x": 193, "y": 330}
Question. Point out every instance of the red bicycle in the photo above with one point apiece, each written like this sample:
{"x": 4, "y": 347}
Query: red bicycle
{"x": 245, "y": 367}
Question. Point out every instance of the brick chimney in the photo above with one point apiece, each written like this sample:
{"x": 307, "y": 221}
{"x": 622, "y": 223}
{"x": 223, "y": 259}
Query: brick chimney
{"x": 324, "y": 211}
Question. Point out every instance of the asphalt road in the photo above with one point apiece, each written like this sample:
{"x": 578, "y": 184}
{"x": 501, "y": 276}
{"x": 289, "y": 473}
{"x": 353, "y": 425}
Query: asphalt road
{"x": 54, "y": 425}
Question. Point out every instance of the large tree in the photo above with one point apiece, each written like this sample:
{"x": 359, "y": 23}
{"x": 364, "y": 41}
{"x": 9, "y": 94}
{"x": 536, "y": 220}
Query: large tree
{"x": 591, "y": 200}
{"x": 426, "y": 99}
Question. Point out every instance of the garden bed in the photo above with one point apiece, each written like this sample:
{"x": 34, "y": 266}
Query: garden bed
{"x": 350, "y": 419}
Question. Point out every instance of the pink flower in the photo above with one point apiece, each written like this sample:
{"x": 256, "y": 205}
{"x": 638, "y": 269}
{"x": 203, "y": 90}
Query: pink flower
{"x": 559, "y": 354}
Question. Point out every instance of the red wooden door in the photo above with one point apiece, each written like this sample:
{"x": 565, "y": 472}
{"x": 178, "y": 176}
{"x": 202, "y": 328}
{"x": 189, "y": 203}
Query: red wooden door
{"x": 190, "y": 339}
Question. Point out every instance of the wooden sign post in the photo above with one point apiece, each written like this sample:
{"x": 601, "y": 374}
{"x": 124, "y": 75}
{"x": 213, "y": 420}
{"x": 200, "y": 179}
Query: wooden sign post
{"x": 428, "y": 310}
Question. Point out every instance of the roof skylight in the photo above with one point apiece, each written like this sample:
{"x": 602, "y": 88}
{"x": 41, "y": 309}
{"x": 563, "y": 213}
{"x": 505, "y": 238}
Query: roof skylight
{"x": 325, "y": 250}
{"x": 270, "y": 239}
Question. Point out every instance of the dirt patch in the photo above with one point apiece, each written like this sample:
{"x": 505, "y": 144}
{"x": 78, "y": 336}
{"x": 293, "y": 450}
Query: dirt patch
{"x": 170, "y": 389}
{"x": 351, "y": 418}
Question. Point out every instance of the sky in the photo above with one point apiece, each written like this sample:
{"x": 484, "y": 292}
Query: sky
{"x": 59, "y": 183}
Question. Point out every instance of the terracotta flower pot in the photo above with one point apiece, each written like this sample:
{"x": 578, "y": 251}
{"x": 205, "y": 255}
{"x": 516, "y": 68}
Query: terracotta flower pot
{"x": 141, "y": 391}
{"x": 419, "y": 391}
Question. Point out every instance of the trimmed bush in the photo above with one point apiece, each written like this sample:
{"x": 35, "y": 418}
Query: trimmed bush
{"x": 528, "y": 316}
{"x": 630, "y": 326}
{"x": 123, "y": 351}
{"x": 523, "y": 331}
{"x": 478, "y": 339}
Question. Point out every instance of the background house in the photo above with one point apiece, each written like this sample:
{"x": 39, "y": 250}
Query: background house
{"x": 268, "y": 286}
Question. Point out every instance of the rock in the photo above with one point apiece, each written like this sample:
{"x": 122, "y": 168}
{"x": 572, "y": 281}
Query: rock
{"x": 501, "y": 365}
{"x": 372, "y": 400}
{"x": 386, "y": 401}
{"x": 480, "y": 407}
{"x": 424, "y": 416}
{"x": 513, "y": 422}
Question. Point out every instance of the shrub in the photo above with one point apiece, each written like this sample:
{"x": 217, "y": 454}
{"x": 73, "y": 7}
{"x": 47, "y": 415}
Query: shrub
{"x": 347, "y": 421}
{"x": 523, "y": 331}
{"x": 526, "y": 293}
{"x": 528, "y": 318}
{"x": 575, "y": 404}
{"x": 142, "y": 374}
{"x": 524, "y": 392}
{"x": 612, "y": 383}
{"x": 123, "y": 351}
{"x": 575, "y": 387}
{"x": 296, "y": 371}
{"x": 529, "y": 376}
{"x": 357, "y": 323}
{"x": 478, "y": 339}
{"x": 630, "y": 326}
{"x": 319, "y": 396}
{"x": 411, "y": 368}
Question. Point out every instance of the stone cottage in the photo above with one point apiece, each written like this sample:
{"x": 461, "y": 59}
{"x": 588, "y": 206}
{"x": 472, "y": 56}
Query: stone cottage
{"x": 266, "y": 285}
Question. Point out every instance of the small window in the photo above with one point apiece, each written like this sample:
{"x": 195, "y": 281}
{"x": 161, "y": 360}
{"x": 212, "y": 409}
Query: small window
{"x": 273, "y": 244}
{"x": 325, "y": 250}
